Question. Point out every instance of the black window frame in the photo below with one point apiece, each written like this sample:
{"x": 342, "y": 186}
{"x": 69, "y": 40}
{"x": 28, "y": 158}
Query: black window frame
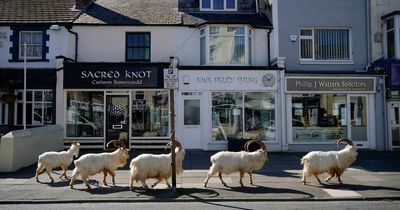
{"x": 141, "y": 47}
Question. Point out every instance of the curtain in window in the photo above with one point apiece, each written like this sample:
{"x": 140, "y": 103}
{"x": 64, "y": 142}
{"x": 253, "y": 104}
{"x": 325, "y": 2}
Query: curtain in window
{"x": 230, "y": 4}
{"x": 218, "y": 4}
{"x": 206, "y": 4}
{"x": 227, "y": 45}
{"x": 331, "y": 44}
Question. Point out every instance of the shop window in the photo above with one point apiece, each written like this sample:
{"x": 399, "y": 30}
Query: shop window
{"x": 222, "y": 45}
{"x": 243, "y": 115}
{"x": 218, "y": 5}
{"x": 150, "y": 113}
{"x": 325, "y": 44}
{"x": 39, "y": 107}
{"x": 85, "y": 114}
{"x": 138, "y": 47}
{"x": 319, "y": 118}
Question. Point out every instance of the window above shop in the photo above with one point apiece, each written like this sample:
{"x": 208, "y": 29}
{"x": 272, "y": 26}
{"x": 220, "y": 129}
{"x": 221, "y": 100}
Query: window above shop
{"x": 392, "y": 37}
{"x": 325, "y": 45}
{"x": 218, "y": 5}
{"x": 138, "y": 47}
{"x": 35, "y": 38}
{"x": 225, "y": 45}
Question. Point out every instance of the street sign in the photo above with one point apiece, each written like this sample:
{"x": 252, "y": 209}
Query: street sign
{"x": 171, "y": 78}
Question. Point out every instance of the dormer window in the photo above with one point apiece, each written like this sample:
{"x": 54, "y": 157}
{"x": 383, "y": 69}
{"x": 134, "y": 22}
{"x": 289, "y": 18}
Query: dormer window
{"x": 218, "y": 5}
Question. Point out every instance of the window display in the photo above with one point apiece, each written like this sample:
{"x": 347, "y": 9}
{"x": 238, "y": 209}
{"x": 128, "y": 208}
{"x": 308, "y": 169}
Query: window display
{"x": 319, "y": 117}
{"x": 243, "y": 115}
{"x": 150, "y": 113}
{"x": 85, "y": 114}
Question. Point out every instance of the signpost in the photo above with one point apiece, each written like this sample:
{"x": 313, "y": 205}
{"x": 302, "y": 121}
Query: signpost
{"x": 171, "y": 83}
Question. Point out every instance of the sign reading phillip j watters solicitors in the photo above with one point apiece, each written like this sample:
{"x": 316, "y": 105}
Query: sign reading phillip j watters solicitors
{"x": 316, "y": 84}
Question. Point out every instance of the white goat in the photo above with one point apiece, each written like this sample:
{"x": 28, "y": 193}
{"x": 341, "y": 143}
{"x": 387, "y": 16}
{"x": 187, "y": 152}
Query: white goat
{"x": 332, "y": 162}
{"x": 150, "y": 166}
{"x": 50, "y": 160}
{"x": 225, "y": 162}
{"x": 91, "y": 164}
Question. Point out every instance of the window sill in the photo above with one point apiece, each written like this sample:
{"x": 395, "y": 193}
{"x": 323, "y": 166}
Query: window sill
{"x": 29, "y": 60}
{"x": 327, "y": 62}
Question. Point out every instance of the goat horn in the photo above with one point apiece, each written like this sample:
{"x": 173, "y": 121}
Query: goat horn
{"x": 246, "y": 145}
{"x": 262, "y": 145}
{"x": 347, "y": 141}
{"x": 117, "y": 143}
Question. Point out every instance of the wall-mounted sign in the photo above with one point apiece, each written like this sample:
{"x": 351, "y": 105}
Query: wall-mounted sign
{"x": 171, "y": 78}
{"x": 227, "y": 80}
{"x": 112, "y": 75}
{"x": 316, "y": 84}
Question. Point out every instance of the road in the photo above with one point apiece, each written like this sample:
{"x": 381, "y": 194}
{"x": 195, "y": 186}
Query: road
{"x": 331, "y": 205}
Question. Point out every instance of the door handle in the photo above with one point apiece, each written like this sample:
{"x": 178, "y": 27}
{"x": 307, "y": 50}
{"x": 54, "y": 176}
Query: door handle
{"x": 117, "y": 127}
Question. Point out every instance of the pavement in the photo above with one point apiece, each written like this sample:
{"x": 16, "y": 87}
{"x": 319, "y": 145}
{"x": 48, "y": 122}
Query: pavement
{"x": 374, "y": 176}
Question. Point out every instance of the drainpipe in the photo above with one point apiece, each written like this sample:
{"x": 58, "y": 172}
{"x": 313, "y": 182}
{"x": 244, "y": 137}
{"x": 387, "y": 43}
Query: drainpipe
{"x": 368, "y": 20}
{"x": 269, "y": 47}
{"x": 76, "y": 41}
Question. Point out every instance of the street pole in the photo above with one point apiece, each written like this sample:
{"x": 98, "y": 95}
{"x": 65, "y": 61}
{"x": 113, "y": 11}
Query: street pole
{"x": 24, "y": 94}
{"x": 172, "y": 115}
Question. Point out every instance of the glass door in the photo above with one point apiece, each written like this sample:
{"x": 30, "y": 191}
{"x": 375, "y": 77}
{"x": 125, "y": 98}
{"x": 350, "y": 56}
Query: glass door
{"x": 394, "y": 114}
{"x": 358, "y": 120}
{"x": 117, "y": 119}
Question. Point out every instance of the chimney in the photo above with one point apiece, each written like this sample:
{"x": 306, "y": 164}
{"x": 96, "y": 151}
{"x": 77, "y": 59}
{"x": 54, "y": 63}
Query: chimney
{"x": 82, "y": 4}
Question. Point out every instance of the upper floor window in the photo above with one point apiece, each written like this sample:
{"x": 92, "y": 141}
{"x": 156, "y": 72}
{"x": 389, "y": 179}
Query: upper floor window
{"x": 318, "y": 44}
{"x": 218, "y": 5}
{"x": 138, "y": 47}
{"x": 225, "y": 45}
{"x": 34, "y": 44}
{"x": 390, "y": 43}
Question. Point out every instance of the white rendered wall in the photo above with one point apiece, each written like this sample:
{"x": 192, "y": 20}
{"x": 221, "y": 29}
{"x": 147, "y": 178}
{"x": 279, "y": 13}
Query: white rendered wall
{"x": 107, "y": 44}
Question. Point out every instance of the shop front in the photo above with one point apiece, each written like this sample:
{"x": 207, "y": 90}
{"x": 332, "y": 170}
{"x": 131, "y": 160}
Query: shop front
{"x": 219, "y": 106}
{"x": 108, "y": 101}
{"x": 323, "y": 109}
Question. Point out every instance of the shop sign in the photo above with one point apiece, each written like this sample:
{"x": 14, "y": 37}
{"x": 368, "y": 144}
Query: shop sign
{"x": 301, "y": 84}
{"x": 228, "y": 80}
{"x": 109, "y": 76}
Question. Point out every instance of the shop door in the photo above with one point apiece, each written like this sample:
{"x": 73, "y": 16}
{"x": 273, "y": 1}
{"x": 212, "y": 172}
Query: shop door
{"x": 394, "y": 114}
{"x": 117, "y": 118}
{"x": 358, "y": 120}
{"x": 191, "y": 123}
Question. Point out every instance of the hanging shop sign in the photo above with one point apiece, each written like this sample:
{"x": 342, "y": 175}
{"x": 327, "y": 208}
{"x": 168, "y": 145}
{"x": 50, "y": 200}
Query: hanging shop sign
{"x": 109, "y": 75}
{"x": 315, "y": 84}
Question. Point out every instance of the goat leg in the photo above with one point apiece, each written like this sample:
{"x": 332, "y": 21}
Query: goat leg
{"x": 241, "y": 178}
{"x": 220, "y": 177}
{"x": 316, "y": 176}
{"x": 251, "y": 177}
{"x": 104, "y": 177}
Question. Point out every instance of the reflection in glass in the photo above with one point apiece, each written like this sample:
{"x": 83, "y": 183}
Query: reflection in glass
{"x": 358, "y": 117}
{"x": 191, "y": 111}
{"x": 319, "y": 117}
{"x": 85, "y": 114}
{"x": 243, "y": 115}
{"x": 150, "y": 113}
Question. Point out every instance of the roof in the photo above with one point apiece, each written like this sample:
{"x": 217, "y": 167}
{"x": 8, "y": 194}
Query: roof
{"x": 201, "y": 18}
{"x": 37, "y": 11}
{"x": 131, "y": 12}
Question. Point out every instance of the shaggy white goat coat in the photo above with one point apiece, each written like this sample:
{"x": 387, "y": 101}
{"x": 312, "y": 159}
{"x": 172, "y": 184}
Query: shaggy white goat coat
{"x": 50, "y": 160}
{"x": 91, "y": 164}
{"x": 225, "y": 162}
{"x": 150, "y": 166}
{"x": 332, "y": 162}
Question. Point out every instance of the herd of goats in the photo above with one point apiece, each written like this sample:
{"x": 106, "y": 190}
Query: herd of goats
{"x": 152, "y": 166}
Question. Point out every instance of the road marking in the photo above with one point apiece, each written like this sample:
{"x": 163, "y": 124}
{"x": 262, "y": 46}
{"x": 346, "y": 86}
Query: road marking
{"x": 342, "y": 193}
{"x": 367, "y": 178}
